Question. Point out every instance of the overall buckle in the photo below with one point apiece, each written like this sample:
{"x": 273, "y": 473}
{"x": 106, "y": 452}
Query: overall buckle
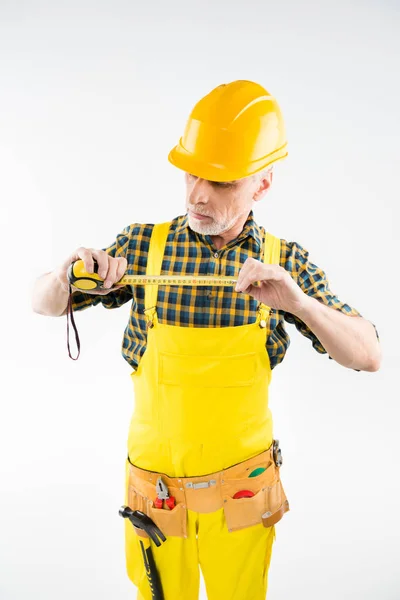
{"x": 149, "y": 313}
{"x": 276, "y": 453}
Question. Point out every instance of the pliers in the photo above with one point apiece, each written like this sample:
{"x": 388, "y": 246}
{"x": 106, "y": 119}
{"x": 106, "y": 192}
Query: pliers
{"x": 163, "y": 494}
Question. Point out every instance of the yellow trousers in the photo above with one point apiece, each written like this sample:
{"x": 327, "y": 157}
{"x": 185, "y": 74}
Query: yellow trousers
{"x": 234, "y": 564}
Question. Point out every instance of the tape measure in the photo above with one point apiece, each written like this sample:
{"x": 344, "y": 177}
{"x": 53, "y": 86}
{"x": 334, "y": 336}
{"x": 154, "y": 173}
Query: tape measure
{"x": 81, "y": 279}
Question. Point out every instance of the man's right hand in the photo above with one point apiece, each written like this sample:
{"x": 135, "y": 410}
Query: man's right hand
{"x": 110, "y": 269}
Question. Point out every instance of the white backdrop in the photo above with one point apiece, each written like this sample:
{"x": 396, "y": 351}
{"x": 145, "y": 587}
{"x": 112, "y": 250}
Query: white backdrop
{"x": 93, "y": 97}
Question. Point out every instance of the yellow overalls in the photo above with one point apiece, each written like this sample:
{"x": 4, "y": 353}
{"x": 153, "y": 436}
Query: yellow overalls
{"x": 202, "y": 421}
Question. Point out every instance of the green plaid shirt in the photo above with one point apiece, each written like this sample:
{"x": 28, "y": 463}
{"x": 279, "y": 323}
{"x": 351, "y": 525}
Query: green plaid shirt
{"x": 191, "y": 253}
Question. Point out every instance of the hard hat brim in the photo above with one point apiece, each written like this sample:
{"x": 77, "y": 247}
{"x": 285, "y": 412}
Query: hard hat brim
{"x": 184, "y": 160}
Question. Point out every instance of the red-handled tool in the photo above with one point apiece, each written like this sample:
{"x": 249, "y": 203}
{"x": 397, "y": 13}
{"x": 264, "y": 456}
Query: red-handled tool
{"x": 243, "y": 494}
{"x": 163, "y": 494}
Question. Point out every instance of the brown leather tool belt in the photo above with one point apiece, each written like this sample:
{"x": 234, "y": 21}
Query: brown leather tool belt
{"x": 208, "y": 493}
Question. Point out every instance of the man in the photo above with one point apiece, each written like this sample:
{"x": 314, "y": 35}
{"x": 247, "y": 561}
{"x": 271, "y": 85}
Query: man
{"x": 202, "y": 356}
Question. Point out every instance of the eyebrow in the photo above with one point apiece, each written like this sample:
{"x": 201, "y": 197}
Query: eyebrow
{"x": 222, "y": 182}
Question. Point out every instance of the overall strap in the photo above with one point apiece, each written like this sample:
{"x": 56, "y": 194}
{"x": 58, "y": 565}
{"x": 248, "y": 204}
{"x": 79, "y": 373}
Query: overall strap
{"x": 154, "y": 263}
{"x": 272, "y": 249}
{"x": 272, "y": 256}
{"x": 272, "y": 253}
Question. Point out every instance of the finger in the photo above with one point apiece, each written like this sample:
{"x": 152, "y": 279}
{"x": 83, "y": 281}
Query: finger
{"x": 249, "y": 274}
{"x": 115, "y": 288}
{"x": 102, "y": 260}
{"x": 243, "y": 272}
{"x": 101, "y": 291}
{"x": 121, "y": 267}
{"x": 254, "y": 291}
{"x": 86, "y": 255}
{"x": 248, "y": 284}
{"x": 112, "y": 273}
{"x": 257, "y": 273}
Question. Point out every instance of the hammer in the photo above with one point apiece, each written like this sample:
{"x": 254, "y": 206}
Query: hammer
{"x": 146, "y": 528}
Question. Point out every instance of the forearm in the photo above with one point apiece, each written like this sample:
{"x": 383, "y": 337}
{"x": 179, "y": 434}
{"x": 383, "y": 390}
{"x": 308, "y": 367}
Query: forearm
{"x": 349, "y": 340}
{"x": 49, "y": 296}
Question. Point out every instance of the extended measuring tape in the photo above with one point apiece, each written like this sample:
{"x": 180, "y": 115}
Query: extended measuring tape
{"x": 83, "y": 280}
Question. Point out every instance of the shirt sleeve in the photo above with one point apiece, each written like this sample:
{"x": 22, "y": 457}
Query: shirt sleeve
{"x": 82, "y": 300}
{"x": 314, "y": 282}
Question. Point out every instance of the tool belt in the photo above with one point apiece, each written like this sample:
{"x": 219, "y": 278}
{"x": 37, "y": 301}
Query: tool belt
{"x": 208, "y": 493}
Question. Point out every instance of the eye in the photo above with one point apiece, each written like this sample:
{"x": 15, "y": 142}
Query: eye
{"x": 221, "y": 184}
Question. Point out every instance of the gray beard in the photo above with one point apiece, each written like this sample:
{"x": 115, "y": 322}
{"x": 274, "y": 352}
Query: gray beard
{"x": 212, "y": 228}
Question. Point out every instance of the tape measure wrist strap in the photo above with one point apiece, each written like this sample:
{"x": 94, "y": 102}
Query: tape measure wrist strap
{"x": 70, "y": 312}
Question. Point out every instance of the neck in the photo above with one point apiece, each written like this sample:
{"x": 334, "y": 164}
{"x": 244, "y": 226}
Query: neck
{"x": 224, "y": 238}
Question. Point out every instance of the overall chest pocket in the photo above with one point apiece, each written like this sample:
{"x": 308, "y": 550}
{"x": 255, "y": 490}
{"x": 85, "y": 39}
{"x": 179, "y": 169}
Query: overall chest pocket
{"x": 207, "y": 371}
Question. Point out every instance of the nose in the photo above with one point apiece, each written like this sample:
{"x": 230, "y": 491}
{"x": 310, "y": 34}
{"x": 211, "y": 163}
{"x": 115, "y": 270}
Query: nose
{"x": 198, "y": 192}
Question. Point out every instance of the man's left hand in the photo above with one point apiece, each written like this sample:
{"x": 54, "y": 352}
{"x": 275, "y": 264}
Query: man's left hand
{"x": 277, "y": 288}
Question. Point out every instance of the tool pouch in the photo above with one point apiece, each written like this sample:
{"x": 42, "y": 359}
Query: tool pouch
{"x": 209, "y": 493}
{"x": 171, "y": 522}
{"x": 269, "y": 503}
{"x": 140, "y": 494}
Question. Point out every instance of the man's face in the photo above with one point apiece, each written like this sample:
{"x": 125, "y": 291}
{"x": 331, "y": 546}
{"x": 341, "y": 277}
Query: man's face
{"x": 215, "y": 207}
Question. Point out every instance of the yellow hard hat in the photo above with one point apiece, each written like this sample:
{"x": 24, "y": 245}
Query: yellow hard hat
{"x": 234, "y": 131}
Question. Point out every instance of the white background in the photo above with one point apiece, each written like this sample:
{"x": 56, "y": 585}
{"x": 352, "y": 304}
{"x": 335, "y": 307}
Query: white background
{"x": 93, "y": 97}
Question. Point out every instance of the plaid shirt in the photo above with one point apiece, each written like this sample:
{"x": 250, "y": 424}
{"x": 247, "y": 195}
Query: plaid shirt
{"x": 191, "y": 253}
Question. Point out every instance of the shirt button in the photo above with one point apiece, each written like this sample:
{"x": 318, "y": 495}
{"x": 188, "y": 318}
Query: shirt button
{"x": 216, "y": 254}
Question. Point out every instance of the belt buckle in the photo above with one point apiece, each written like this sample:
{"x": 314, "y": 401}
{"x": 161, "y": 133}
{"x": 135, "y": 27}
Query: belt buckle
{"x": 276, "y": 453}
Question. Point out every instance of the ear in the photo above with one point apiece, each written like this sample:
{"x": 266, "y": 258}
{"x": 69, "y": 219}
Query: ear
{"x": 263, "y": 186}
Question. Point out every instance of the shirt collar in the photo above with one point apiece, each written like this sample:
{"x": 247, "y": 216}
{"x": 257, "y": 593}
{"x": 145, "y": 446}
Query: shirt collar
{"x": 250, "y": 228}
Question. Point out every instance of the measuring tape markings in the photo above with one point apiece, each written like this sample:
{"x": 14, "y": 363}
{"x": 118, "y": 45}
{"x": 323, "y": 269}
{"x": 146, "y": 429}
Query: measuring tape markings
{"x": 83, "y": 280}
{"x": 176, "y": 280}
